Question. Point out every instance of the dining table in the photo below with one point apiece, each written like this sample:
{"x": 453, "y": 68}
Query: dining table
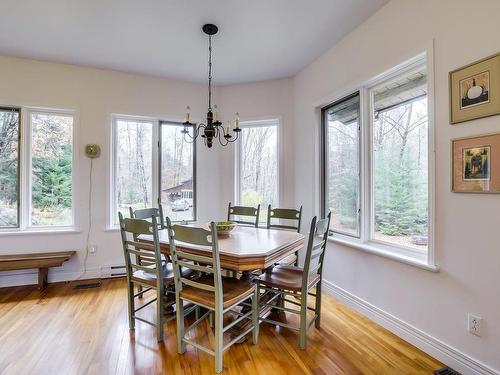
{"x": 244, "y": 250}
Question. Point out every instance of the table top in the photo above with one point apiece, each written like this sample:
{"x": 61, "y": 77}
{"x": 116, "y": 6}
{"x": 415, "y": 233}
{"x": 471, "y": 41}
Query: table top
{"x": 246, "y": 248}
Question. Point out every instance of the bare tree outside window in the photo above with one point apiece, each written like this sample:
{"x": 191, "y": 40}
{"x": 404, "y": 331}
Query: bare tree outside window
{"x": 342, "y": 164}
{"x": 133, "y": 165}
{"x": 9, "y": 166}
{"x": 176, "y": 175}
{"x": 259, "y": 165}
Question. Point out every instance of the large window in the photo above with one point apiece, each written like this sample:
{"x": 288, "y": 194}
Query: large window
{"x": 9, "y": 167}
{"x": 176, "y": 173}
{"x": 379, "y": 198}
{"x": 258, "y": 165}
{"x": 133, "y": 143}
{"x": 51, "y": 169}
{"x": 152, "y": 164}
{"x": 37, "y": 192}
{"x": 342, "y": 164}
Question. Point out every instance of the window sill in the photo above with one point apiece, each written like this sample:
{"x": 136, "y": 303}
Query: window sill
{"x": 377, "y": 250}
{"x": 35, "y": 232}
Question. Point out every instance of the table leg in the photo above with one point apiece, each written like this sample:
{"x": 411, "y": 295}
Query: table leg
{"x": 42, "y": 278}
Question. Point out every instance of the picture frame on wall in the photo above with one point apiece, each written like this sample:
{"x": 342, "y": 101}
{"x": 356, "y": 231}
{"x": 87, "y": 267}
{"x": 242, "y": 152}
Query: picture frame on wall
{"x": 476, "y": 164}
{"x": 475, "y": 90}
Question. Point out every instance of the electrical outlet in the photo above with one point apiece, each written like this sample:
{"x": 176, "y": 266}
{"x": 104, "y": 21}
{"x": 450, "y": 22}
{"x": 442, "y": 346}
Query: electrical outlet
{"x": 92, "y": 249}
{"x": 474, "y": 324}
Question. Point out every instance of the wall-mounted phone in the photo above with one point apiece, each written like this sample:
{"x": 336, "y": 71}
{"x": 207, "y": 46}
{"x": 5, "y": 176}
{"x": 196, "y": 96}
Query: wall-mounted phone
{"x": 92, "y": 151}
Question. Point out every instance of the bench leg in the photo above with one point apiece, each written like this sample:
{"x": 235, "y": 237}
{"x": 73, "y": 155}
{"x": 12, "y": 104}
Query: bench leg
{"x": 42, "y": 278}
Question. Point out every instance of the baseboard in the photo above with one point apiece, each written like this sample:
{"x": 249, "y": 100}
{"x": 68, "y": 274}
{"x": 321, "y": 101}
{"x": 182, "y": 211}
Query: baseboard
{"x": 425, "y": 342}
{"x": 30, "y": 277}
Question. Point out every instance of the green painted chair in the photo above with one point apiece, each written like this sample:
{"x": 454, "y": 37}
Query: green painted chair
{"x": 293, "y": 219}
{"x": 217, "y": 294}
{"x": 234, "y": 213}
{"x": 283, "y": 281}
{"x": 151, "y": 274}
{"x": 147, "y": 214}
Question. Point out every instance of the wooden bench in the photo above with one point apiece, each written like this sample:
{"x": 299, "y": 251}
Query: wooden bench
{"x": 42, "y": 261}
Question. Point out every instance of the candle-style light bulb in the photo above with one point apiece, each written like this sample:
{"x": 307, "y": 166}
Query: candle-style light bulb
{"x": 216, "y": 113}
{"x": 186, "y": 117}
{"x": 237, "y": 120}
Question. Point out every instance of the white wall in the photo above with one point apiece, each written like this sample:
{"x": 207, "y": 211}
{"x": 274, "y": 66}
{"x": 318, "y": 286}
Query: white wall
{"x": 267, "y": 99}
{"x": 96, "y": 94}
{"x": 467, "y": 249}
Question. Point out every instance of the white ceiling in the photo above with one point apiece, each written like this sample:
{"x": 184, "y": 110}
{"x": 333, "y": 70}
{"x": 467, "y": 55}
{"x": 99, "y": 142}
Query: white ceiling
{"x": 257, "y": 40}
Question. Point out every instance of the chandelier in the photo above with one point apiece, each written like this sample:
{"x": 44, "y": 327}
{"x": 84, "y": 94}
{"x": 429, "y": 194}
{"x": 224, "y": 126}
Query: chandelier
{"x": 213, "y": 127}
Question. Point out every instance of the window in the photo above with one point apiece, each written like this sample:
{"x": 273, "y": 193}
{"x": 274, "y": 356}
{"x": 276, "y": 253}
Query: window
{"x": 43, "y": 197}
{"x": 9, "y": 167}
{"x": 133, "y": 166}
{"x": 400, "y": 160}
{"x": 258, "y": 165}
{"x": 51, "y": 169}
{"x": 379, "y": 197}
{"x": 176, "y": 173}
{"x": 152, "y": 164}
{"x": 342, "y": 164}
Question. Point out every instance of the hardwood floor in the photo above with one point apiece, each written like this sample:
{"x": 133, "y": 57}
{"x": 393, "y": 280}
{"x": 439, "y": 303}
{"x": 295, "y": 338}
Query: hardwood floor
{"x": 66, "y": 331}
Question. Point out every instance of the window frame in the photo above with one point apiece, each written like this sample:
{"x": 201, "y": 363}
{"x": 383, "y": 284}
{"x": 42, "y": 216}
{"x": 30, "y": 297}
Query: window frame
{"x": 324, "y": 180}
{"x": 155, "y": 165}
{"x": 258, "y": 122}
{"x": 195, "y": 195}
{"x": 25, "y": 172}
{"x": 20, "y": 150}
{"x": 366, "y": 242}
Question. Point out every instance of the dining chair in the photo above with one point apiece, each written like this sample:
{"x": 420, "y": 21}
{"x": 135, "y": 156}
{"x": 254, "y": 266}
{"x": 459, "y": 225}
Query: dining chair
{"x": 248, "y": 212}
{"x": 281, "y": 281}
{"x": 151, "y": 274}
{"x": 293, "y": 219}
{"x": 147, "y": 214}
{"x": 219, "y": 295}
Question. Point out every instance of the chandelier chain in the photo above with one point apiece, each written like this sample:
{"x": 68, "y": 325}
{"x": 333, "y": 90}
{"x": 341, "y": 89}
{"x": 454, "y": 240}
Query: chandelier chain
{"x": 209, "y": 72}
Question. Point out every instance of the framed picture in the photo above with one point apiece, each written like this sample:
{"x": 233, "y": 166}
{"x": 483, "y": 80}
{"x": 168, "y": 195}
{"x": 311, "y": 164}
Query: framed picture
{"x": 475, "y": 90}
{"x": 476, "y": 164}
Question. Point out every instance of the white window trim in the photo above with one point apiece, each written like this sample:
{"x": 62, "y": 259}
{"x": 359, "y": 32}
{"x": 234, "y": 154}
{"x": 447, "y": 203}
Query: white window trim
{"x": 25, "y": 169}
{"x": 111, "y": 206}
{"x": 155, "y": 154}
{"x": 257, "y": 122}
{"x": 365, "y": 242}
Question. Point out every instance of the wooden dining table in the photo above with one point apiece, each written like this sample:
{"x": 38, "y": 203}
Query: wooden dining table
{"x": 245, "y": 248}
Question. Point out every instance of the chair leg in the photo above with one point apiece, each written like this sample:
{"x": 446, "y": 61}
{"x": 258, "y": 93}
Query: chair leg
{"x": 139, "y": 290}
{"x": 181, "y": 345}
{"x": 159, "y": 313}
{"x": 197, "y": 313}
{"x": 211, "y": 319}
{"x": 303, "y": 320}
{"x": 218, "y": 341}
{"x": 131, "y": 306}
{"x": 317, "y": 309}
{"x": 255, "y": 316}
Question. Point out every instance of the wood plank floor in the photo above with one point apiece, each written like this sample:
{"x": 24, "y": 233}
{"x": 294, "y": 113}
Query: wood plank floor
{"x": 66, "y": 331}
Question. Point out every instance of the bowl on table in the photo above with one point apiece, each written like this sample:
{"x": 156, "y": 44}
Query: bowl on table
{"x": 224, "y": 227}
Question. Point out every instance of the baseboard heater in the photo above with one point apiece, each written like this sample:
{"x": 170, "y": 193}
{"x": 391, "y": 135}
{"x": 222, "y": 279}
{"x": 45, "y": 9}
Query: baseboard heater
{"x": 113, "y": 271}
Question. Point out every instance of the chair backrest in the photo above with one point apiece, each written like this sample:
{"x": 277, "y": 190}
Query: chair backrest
{"x": 147, "y": 213}
{"x": 139, "y": 255}
{"x": 318, "y": 237}
{"x": 209, "y": 263}
{"x": 250, "y": 212}
{"x": 290, "y": 214}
